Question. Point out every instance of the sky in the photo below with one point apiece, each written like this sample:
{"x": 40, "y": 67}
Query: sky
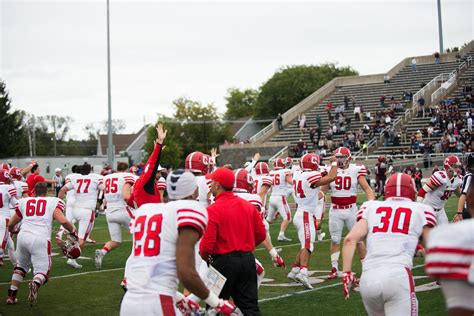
{"x": 53, "y": 54}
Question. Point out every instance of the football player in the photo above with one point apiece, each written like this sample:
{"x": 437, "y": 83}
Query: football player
{"x": 281, "y": 178}
{"x": 164, "y": 239}
{"x": 117, "y": 212}
{"x": 463, "y": 212}
{"x": 18, "y": 180}
{"x": 70, "y": 198}
{"x": 437, "y": 190}
{"x": 392, "y": 229}
{"x": 200, "y": 165}
{"x": 450, "y": 257}
{"x": 34, "y": 246}
{"x": 262, "y": 182}
{"x": 8, "y": 199}
{"x": 86, "y": 187}
{"x": 343, "y": 210}
{"x": 306, "y": 185}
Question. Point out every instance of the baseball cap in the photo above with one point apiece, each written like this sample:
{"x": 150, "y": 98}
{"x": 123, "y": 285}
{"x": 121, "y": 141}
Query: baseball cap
{"x": 180, "y": 184}
{"x": 58, "y": 170}
{"x": 223, "y": 176}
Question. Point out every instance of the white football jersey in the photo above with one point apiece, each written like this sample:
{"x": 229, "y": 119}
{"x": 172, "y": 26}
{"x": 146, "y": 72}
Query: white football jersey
{"x": 254, "y": 199}
{"x": 259, "y": 181}
{"x": 204, "y": 187}
{"x": 86, "y": 188}
{"x": 394, "y": 227}
{"x": 280, "y": 186}
{"x": 151, "y": 267}
{"x": 21, "y": 187}
{"x": 305, "y": 196}
{"x": 443, "y": 189}
{"x": 7, "y": 199}
{"x": 450, "y": 251}
{"x": 37, "y": 215}
{"x": 113, "y": 189}
{"x": 344, "y": 188}
{"x": 70, "y": 195}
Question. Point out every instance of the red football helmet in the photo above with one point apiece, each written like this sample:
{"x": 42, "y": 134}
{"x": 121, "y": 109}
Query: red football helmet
{"x": 288, "y": 162}
{"x": 15, "y": 174}
{"x": 309, "y": 162}
{"x": 382, "y": 158}
{"x": 4, "y": 176}
{"x": 198, "y": 162}
{"x": 400, "y": 185}
{"x": 262, "y": 168}
{"x": 279, "y": 163}
{"x": 71, "y": 247}
{"x": 343, "y": 156}
{"x": 133, "y": 169}
{"x": 243, "y": 180}
{"x": 453, "y": 164}
{"x": 5, "y": 166}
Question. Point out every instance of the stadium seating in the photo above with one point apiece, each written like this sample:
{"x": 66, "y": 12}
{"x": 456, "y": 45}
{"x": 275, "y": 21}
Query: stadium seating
{"x": 368, "y": 96}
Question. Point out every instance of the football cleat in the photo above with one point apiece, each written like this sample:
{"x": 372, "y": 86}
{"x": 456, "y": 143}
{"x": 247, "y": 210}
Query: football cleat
{"x": 321, "y": 236}
{"x": 333, "y": 274}
{"x": 1, "y": 262}
{"x": 90, "y": 241}
{"x": 98, "y": 259}
{"x": 33, "y": 294}
{"x": 11, "y": 298}
{"x": 283, "y": 238}
{"x": 73, "y": 263}
{"x": 303, "y": 279}
{"x": 292, "y": 276}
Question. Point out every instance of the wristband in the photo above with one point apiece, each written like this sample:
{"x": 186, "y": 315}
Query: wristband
{"x": 460, "y": 213}
{"x": 273, "y": 252}
{"x": 212, "y": 300}
{"x": 334, "y": 164}
{"x": 194, "y": 298}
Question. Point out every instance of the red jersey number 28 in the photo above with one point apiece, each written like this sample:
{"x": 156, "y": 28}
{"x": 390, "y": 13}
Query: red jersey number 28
{"x": 389, "y": 216}
{"x": 148, "y": 236}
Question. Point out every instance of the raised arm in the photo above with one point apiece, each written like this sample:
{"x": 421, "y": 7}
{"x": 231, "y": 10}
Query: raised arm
{"x": 147, "y": 178}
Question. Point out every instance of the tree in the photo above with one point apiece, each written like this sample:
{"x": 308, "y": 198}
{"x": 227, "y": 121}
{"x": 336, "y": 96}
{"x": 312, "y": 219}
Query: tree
{"x": 13, "y": 140}
{"x": 117, "y": 126}
{"x": 58, "y": 127}
{"x": 193, "y": 127}
{"x": 240, "y": 103}
{"x": 291, "y": 84}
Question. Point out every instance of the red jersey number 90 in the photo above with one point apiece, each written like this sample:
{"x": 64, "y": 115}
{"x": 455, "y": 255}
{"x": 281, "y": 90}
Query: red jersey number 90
{"x": 148, "y": 236}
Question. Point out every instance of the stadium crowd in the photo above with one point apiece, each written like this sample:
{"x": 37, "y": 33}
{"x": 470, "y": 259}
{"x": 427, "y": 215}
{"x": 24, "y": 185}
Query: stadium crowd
{"x": 183, "y": 224}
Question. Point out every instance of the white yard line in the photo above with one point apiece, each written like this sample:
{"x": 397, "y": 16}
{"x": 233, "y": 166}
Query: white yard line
{"x": 73, "y": 275}
{"x": 298, "y": 293}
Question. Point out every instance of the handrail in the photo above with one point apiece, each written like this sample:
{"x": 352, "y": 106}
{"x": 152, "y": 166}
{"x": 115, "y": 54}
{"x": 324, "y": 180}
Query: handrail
{"x": 275, "y": 156}
{"x": 452, "y": 79}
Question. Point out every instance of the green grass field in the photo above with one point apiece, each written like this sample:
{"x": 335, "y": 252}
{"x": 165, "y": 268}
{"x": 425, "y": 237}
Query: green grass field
{"x": 90, "y": 292}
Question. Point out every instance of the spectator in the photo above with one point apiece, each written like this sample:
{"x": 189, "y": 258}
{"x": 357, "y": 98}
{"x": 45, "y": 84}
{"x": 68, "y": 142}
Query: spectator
{"x": 437, "y": 58}
{"x": 388, "y": 120}
{"x": 280, "y": 121}
{"x": 413, "y": 64}
{"x": 419, "y": 136}
{"x": 58, "y": 177}
{"x": 312, "y": 133}
{"x": 386, "y": 79}
{"x": 35, "y": 178}
{"x": 346, "y": 101}
{"x": 357, "y": 111}
{"x": 318, "y": 119}
{"x": 469, "y": 124}
{"x": 421, "y": 103}
{"x": 302, "y": 123}
{"x": 382, "y": 101}
{"x": 417, "y": 176}
{"x": 458, "y": 57}
{"x": 386, "y": 137}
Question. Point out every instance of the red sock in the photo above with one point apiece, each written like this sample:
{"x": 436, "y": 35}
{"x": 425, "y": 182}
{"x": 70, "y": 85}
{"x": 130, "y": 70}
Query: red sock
{"x": 105, "y": 249}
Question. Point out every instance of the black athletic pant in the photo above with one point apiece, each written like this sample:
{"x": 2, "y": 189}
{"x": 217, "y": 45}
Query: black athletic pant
{"x": 241, "y": 284}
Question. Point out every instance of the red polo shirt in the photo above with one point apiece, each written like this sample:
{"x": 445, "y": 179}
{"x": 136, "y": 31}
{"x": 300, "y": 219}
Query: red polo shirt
{"x": 234, "y": 225}
{"x": 32, "y": 180}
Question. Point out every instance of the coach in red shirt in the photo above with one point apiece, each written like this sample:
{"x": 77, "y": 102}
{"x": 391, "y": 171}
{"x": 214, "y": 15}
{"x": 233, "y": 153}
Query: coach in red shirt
{"x": 35, "y": 178}
{"x": 234, "y": 229}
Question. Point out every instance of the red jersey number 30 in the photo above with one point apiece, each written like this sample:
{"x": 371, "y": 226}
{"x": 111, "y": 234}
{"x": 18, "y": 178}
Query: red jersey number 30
{"x": 146, "y": 240}
{"x": 400, "y": 220}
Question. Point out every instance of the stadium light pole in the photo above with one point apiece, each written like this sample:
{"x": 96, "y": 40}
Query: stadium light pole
{"x": 440, "y": 28}
{"x": 110, "y": 152}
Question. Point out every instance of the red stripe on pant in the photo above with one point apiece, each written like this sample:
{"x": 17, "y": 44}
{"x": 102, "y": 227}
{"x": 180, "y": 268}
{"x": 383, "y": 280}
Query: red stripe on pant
{"x": 287, "y": 210}
{"x": 167, "y": 305}
{"x": 5, "y": 235}
{"x": 49, "y": 259}
{"x": 306, "y": 230}
{"x": 89, "y": 227}
{"x": 413, "y": 307}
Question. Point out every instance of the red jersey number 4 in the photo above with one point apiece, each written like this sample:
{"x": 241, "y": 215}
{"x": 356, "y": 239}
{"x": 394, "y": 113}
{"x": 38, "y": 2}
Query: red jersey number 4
{"x": 400, "y": 220}
{"x": 147, "y": 240}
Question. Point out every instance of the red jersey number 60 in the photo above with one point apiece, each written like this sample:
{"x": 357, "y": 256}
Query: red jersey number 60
{"x": 150, "y": 245}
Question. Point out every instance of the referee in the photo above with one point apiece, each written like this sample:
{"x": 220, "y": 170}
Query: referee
{"x": 463, "y": 212}
{"x": 234, "y": 229}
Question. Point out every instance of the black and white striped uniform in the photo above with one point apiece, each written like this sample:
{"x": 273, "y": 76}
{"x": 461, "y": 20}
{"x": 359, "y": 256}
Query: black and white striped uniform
{"x": 466, "y": 182}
